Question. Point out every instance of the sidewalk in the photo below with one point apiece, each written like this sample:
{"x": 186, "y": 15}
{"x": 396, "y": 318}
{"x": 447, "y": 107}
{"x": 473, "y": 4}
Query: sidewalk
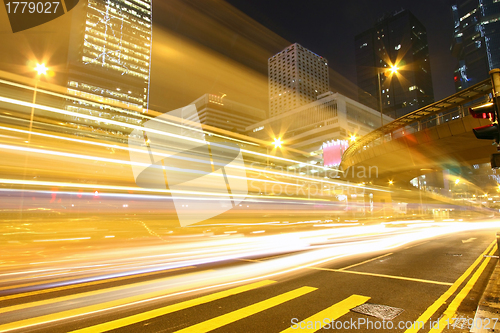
{"x": 488, "y": 311}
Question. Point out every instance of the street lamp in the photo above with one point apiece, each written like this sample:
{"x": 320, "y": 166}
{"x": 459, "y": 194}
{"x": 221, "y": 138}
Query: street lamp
{"x": 392, "y": 70}
{"x": 277, "y": 143}
{"x": 40, "y": 69}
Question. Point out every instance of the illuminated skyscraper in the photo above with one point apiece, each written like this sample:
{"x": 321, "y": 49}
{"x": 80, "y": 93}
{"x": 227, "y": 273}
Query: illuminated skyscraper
{"x": 296, "y": 77}
{"x": 395, "y": 39}
{"x": 110, "y": 54}
{"x": 476, "y": 40}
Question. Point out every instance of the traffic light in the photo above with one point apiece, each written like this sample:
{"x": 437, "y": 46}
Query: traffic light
{"x": 495, "y": 161}
{"x": 486, "y": 111}
{"x": 488, "y": 132}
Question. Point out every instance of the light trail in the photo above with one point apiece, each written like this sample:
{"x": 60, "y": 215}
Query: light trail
{"x": 267, "y": 171}
{"x": 110, "y": 160}
{"x": 121, "y": 109}
{"x": 158, "y": 197}
{"x": 141, "y": 128}
{"x": 140, "y": 189}
{"x": 127, "y": 296}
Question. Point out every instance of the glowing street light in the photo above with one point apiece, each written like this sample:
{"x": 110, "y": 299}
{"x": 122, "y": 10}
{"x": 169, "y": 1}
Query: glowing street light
{"x": 41, "y": 69}
{"x": 457, "y": 181}
{"x": 394, "y": 69}
{"x": 277, "y": 143}
{"x": 391, "y": 182}
{"x": 353, "y": 138}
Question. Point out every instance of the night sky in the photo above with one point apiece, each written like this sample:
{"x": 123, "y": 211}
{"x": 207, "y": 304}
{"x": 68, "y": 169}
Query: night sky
{"x": 328, "y": 27}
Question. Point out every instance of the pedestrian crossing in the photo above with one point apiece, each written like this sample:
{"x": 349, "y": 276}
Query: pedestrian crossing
{"x": 333, "y": 312}
{"x": 231, "y": 317}
{"x": 336, "y": 310}
{"x": 329, "y": 314}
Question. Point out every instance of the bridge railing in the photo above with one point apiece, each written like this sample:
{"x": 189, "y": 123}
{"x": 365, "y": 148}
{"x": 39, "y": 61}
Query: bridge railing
{"x": 440, "y": 112}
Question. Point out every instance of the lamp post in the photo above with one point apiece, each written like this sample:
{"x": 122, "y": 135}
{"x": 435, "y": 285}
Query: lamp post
{"x": 392, "y": 70}
{"x": 277, "y": 144}
{"x": 40, "y": 70}
{"x": 380, "y": 99}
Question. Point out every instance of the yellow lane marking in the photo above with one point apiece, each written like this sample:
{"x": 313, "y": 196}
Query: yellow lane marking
{"x": 86, "y": 284}
{"x": 247, "y": 311}
{"x": 383, "y": 275}
{"x": 90, "y": 293}
{"x": 171, "y": 308}
{"x": 424, "y": 317}
{"x": 328, "y": 315}
{"x": 88, "y": 309}
{"x": 366, "y": 261}
{"x": 449, "y": 313}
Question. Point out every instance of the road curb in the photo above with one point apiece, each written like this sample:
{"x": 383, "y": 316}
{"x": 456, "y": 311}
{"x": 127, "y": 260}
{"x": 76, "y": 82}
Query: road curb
{"x": 488, "y": 310}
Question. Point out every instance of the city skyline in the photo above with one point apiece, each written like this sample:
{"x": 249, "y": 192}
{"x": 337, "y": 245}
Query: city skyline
{"x": 197, "y": 210}
{"x": 334, "y": 39}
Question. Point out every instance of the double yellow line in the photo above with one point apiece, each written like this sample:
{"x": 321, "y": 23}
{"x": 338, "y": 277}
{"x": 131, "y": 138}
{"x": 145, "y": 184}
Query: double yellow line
{"x": 451, "y": 310}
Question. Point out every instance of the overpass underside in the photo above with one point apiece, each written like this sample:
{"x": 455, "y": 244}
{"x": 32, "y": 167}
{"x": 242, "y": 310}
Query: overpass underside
{"x": 451, "y": 144}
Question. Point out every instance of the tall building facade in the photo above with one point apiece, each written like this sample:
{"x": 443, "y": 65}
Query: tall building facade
{"x": 296, "y": 77}
{"x": 476, "y": 40}
{"x": 399, "y": 40}
{"x": 109, "y": 57}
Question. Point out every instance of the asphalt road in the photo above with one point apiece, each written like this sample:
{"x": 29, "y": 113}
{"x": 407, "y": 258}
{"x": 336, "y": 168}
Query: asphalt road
{"x": 442, "y": 277}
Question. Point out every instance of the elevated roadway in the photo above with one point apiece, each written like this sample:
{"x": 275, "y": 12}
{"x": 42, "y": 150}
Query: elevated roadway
{"x": 436, "y": 137}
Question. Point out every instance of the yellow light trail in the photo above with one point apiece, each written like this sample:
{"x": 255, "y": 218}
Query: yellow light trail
{"x": 141, "y": 128}
{"x": 140, "y": 189}
{"x": 287, "y": 174}
{"x": 110, "y": 160}
{"x": 191, "y": 198}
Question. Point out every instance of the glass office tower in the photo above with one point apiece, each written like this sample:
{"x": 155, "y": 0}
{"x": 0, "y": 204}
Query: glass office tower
{"x": 476, "y": 40}
{"x": 109, "y": 58}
